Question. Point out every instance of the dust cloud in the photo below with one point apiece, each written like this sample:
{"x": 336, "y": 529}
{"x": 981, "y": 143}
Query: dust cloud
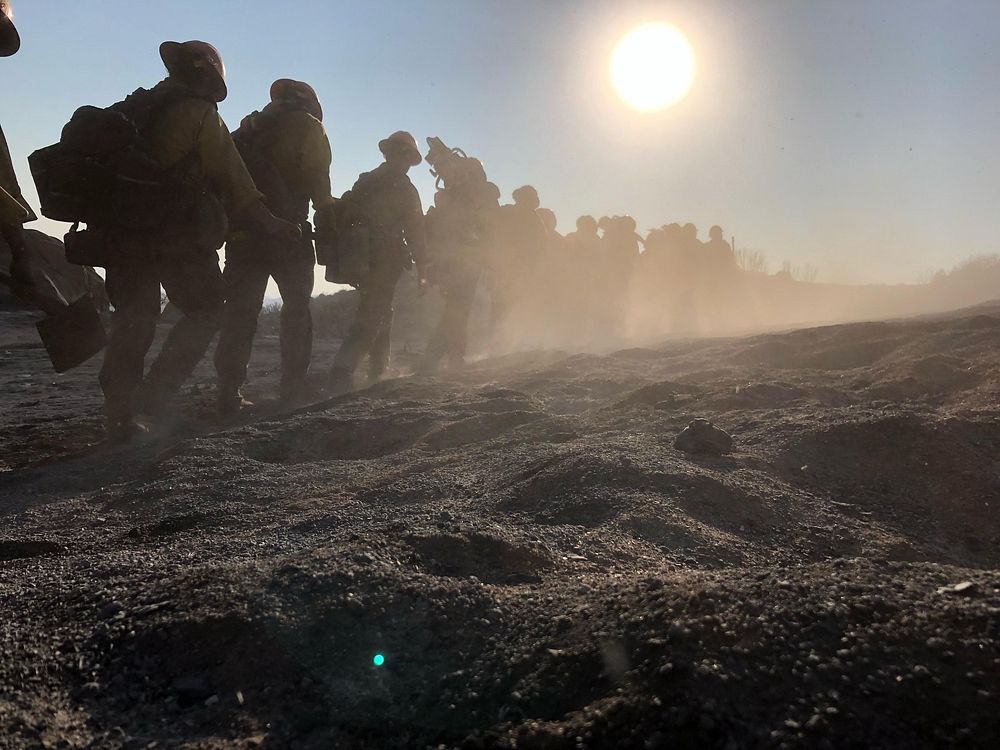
{"x": 606, "y": 286}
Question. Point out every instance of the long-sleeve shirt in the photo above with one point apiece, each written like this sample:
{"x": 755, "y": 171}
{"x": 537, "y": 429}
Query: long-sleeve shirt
{"x": 300, "y": 150}
{"x": 390, "y": 205}
{"x": 192, "y": 125}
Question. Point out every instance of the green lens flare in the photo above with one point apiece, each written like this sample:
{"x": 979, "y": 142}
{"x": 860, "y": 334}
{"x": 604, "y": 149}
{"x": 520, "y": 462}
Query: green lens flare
{"x": 378, "y": 660}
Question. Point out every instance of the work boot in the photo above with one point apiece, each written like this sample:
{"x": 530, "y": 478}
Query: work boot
{"x": 293, "y": 392}
{"x": 229, "y": 402}
{"x": 123, "y": 430}
{"x": 428, "y": 365}
{"x": 340, "y": 381}
{"x": 119, "y": 420}
{"x": 378, "y": 368}
{"x": 152, "y": 400}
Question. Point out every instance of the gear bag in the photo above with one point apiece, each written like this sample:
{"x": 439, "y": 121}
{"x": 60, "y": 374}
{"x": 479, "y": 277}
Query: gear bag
{"x": 348, "y": 258}
{"x": 74, "y": 335}
{"x": 102, "y": 172}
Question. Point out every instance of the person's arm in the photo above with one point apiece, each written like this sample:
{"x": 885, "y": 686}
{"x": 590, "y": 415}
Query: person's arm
{"x": 315, "y": 160}
{"x": 20, "y": 271}
{"x": 27, "y": 283}
{"x": 414, "y": 230}
{"x": 223, "y": 165}
{"x": 227, "y": 173}
{"x": 271, "y": 224}
{"x": 14, "y": 213}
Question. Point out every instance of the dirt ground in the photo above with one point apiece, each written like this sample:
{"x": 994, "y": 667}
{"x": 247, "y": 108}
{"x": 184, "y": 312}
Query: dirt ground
{"x": 535, "y": 563}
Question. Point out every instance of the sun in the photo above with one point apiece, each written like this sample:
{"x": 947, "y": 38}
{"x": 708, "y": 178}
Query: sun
{"x": 652, "y": 67}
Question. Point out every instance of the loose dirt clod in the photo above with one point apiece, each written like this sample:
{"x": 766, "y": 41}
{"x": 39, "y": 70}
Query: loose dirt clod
{"x": 701, "y": 436}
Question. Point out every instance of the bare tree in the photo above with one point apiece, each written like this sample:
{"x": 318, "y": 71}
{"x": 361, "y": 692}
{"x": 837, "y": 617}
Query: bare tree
{"x": 751, "y": 261}
{"x": 806, "y": 272}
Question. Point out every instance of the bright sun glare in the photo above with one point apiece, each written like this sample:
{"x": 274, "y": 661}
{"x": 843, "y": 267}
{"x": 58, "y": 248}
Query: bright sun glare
{"x": 652, "y": 67}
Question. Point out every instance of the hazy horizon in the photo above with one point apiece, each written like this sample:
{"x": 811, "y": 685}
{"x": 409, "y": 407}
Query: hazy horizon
{"x": 858, "y": 138}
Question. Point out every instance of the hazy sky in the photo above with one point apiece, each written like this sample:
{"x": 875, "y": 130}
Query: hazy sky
{"x": 860, "y": 136}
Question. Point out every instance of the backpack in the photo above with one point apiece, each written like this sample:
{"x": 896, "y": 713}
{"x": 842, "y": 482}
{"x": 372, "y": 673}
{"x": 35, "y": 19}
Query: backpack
{"x": 348, "y": 256}
{"x": 253, "y": 140}
{"x": 102, "y": 171}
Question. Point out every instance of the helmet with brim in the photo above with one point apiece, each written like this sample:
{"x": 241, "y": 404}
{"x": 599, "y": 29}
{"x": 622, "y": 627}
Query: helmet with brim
{"x": 287, "y": 89}
{"x": 404, "y": 142}
{"x": 10, "y": 40}
{"x": 181, "y": 57}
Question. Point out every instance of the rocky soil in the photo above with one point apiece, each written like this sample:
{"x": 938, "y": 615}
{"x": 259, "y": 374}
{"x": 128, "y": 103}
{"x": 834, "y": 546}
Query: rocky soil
{"x": 535, "y": 562}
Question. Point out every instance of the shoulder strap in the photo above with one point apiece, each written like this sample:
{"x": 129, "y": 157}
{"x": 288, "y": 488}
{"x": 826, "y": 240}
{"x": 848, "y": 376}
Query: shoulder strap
{"x": 365, "y": 185}
{"x": 254, "y": 138}
{"x": 143, "y": 105}
{"x": 256, "y": 133}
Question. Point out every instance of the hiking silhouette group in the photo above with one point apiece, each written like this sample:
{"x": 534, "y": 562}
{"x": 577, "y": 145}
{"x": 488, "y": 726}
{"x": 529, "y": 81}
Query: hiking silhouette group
{"x": 156, "y": 184}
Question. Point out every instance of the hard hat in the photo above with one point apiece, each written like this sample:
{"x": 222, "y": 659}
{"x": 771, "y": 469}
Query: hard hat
{"x": 10, "y": 41}
{"x": 286, "y": 89}
{"x": 548, "y": 217}
{"x": 715, "y": 231}
{"x": 201, "y": 55}
{"x": 402, "y": 139}
{"x": 526, "y": 193}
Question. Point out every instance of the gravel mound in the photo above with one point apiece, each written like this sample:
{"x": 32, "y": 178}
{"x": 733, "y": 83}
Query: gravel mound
{"x": 519, "y": 556}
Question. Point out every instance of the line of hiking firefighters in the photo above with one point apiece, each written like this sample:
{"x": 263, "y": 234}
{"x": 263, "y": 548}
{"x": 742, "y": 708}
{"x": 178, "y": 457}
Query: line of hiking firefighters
{"x": 160, "y": 185}
{"x": 604, "y": 282}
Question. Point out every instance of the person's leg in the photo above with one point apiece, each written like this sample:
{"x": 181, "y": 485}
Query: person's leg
{"x": 380, "y": 352}
{"x": 134, "y": 291}
{"x": 437, "y": 344}
{"x": 378, "y": 357}
{"x": 245, "y": 281}
{"x": 374, "y": 307}
{"x": 358, "y": 339}
{"x": 499, "y": 308}
{"x": 295, "y": 279}
{"x": 457, "y": 310}
{"x": 193, "y": 282}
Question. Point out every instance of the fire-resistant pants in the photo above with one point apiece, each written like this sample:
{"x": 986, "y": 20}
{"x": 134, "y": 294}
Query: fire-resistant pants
{"x": 246, "y": 275}
{"x": 371, "y": 329}
{"x": 450, "y": 338}
{"x": 193, "y": 283}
